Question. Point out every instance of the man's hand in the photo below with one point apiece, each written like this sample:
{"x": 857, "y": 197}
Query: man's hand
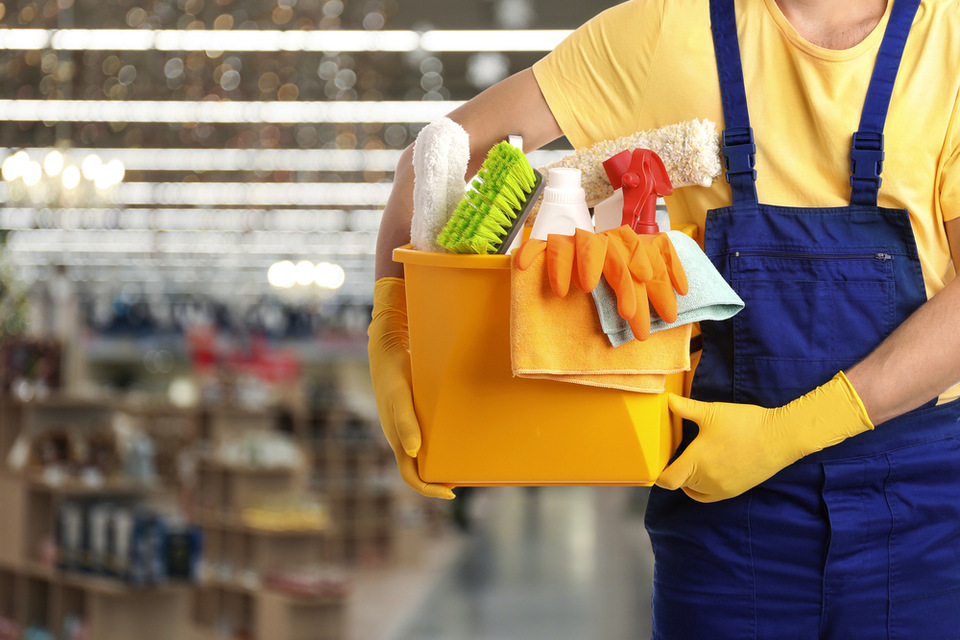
{"x": 389, "y": 351}
{"x": 739, "y": 446}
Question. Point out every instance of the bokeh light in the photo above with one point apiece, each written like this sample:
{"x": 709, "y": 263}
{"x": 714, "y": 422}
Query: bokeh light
{"x": 330, "y": 276}
{"x": 282, "y": 275}
{"x": 53, "y": 163}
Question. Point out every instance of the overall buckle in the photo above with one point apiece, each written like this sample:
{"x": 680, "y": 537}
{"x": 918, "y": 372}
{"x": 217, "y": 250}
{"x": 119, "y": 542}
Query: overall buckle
{"x": 866, "y": 160}
{"x": 739, "y": 152}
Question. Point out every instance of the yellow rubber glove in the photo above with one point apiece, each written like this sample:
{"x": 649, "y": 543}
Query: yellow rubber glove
{"x": 741, "y": 445}
{"x": 389, "y": 351}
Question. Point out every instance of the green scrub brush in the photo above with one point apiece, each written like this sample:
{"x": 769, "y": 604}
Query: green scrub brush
{"x": 492, "y": 213}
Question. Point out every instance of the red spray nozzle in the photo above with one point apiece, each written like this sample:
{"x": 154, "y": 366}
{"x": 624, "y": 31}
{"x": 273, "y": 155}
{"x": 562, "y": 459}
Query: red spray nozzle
{"x": 616, "y": 167}
{"x": 643, "y": 180}
{"x": 630, "y": 180}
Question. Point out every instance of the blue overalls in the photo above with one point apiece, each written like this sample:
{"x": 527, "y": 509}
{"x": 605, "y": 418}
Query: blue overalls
{"x": 861, "y": 540}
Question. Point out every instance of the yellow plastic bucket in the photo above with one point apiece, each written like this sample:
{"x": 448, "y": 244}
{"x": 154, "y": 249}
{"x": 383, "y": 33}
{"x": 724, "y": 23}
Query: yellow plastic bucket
{"x": 482, "y": 426}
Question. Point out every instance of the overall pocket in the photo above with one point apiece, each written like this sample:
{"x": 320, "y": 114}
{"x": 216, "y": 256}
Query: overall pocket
{"x": 807, "y": 316}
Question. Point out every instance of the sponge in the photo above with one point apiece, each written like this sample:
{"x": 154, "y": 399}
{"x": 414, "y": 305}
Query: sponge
{"x": 690, "y": 152}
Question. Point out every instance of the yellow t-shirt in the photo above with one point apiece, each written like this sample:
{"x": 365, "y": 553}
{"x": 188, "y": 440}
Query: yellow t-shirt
{"x": 649, "y": 63}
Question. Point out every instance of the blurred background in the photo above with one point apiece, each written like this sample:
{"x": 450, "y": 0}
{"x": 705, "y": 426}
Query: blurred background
{"x": 191, "y": 192}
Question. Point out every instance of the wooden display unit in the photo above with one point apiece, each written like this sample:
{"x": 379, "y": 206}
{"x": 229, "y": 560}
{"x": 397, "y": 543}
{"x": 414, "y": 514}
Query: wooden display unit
{"x": 296, "y": 618}
{"x": 354, "y": 468}
{"x": 350, "y": 468}
{"x": 231, "y": 600}
{"x": 32, "y": 590}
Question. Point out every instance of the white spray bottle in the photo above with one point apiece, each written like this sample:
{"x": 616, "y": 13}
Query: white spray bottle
{"x": 609, "y": 213}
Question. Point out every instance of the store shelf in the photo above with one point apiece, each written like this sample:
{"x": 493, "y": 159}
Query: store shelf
{"x": 344, "y": 454}
{"x": 87, "y": 582}
{"x": 229, "y": 584}
{"x": 112, "y": 487}
{"x": 240, "y": 586}
{"x": 112, "y": 608}
{"x": 205, "y": 633}
{"x": 252, "y": 469}
{"x": 32, "y": 504}
{"x": 58, "y": 401}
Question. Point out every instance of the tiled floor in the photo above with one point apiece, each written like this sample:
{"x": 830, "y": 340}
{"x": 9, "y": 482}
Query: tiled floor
{"x": 565, "y": 563}
{"x": 384, "y": 601}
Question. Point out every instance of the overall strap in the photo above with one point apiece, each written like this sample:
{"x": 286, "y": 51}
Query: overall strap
{"x": 866, "y": 153}
{"x": 739, "y": 149}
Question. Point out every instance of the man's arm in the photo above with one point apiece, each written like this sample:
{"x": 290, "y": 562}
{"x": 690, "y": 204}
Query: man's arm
{"x": 514, "y": 106}
{"x": 741, "y": 445}
{"x": 921, "y": 359}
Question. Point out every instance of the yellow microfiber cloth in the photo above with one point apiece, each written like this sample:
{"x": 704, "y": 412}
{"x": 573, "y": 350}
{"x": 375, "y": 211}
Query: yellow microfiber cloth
{"x": 561, "y": 339}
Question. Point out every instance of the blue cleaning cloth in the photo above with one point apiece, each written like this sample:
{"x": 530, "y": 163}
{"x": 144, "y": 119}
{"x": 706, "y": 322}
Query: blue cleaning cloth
{"x": 709, "y": 296}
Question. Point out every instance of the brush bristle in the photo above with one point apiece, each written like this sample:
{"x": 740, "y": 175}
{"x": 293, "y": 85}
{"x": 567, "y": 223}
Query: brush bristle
{"x": 488, "y": 212}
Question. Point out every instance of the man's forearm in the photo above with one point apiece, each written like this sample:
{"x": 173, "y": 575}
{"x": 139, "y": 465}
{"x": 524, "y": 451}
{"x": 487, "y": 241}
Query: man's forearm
{"x": 395, "y": 223}
{"x": 918, "y": 362}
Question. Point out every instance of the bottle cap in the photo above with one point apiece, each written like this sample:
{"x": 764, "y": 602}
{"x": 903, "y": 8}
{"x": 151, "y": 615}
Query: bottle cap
{"x": 563, "y": 178}
{"x": 564, "y": 186}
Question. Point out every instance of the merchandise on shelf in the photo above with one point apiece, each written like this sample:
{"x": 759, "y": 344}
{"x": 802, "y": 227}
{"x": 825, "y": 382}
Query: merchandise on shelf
{"x": 30, "y": 368}
{"x": 287, "y": 513}
{"x": 9, "y": 630}
{"x": 74, "y": 628}
{"x": 93, "y": 454}
{"x": 125, "y": 541}
{"x": 36, "y": 633}
{"x": 70, "y": 536}
{"x": 184, "y": 546}
{"x": 260, "y": 449}
{"x": 314, "y": 582}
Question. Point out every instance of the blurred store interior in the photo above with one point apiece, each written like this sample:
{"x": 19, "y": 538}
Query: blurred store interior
{"x": 191, "y": 193}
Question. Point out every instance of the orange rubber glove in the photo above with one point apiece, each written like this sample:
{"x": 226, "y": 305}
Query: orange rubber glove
{"x": 639, "y": 268}
{"x": 389, "y": 351}
{"x": 638, "y": 257}
{"x": 668, "y": 275}
{"x": 741, "y": 445}
{"x": 630, "y": 289}
{"x": 657, "y": 275}
{"x": 578, "y": 259}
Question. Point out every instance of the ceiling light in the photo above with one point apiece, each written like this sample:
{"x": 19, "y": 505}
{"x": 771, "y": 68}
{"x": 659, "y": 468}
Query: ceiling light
{"x": 282, "y": 275}
{"x": 330, "y": 276}
{"x": 53, "y": 163}
{"x": 91, "y": 166}
{"x": 71, "y": 177}
{"x": 14, "y": 166}
{"x": 306, "y": 272}
{"x": 32, "y": 173}
{"x": 173, "y": 111}
{"x": 277, "y": 40}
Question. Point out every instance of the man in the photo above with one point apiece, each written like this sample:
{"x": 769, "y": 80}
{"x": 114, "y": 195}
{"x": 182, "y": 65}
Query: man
{"x": 820, "y": 467}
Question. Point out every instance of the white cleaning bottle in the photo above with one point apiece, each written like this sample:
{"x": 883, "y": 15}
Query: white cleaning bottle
{"x": 609, "y": 213}
{"x": 564, "y": 207}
